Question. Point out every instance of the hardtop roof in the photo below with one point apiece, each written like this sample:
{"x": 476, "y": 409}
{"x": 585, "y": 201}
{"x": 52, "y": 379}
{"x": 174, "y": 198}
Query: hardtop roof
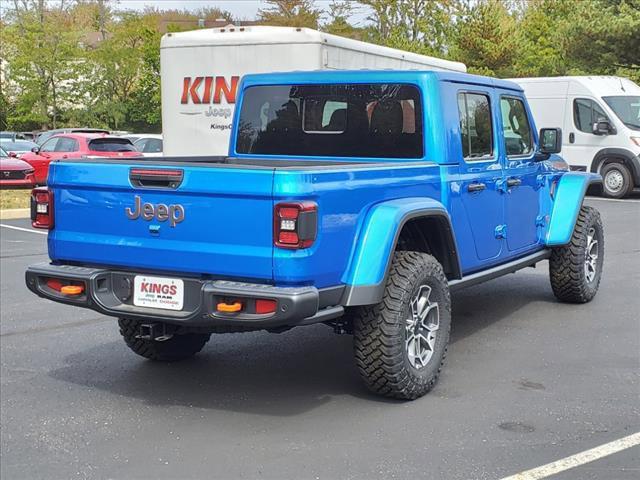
{"x": 373, "y": 76}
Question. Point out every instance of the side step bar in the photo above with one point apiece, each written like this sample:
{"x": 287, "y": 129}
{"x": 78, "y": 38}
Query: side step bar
{"x": 499, "y": 271}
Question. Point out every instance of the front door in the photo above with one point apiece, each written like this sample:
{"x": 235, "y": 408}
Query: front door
{"x": 522, "y": 182}
{"x": 580, "y": 144}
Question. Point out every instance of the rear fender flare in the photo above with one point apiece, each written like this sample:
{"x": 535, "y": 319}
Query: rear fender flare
{"x": 366, "y": 274}
{"x": 568, "y": 197}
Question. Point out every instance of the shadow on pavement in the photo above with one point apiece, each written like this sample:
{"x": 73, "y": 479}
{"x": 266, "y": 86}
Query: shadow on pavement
{"x": 278, "y": 375}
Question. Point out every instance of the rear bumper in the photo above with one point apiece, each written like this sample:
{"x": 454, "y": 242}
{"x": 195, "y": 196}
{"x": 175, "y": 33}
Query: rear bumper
{"x": 110, "y": 292}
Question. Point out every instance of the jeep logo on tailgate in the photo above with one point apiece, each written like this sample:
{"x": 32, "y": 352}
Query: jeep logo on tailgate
{"x": 161, "y": 212}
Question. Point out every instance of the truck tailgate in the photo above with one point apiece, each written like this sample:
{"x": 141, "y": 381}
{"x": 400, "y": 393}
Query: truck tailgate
{"x": 217, "y": 221}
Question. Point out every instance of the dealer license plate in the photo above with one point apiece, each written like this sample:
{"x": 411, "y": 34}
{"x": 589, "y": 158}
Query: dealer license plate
{"x": 158, "y": 292}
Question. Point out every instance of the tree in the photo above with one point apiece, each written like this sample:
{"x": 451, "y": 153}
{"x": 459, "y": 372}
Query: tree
{"x": 290, "y": 13}
{"x": 42, "y": 47}
{"x": 486, "y": 38}
{"x": 542, "y": 38}
{"x": 605, "y": 38}
{"x": 421, "y": 26}
{"x": 338, "y": 24}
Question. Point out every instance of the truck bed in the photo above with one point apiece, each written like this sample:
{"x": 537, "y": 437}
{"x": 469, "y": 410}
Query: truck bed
{"x": 224, "y": 211}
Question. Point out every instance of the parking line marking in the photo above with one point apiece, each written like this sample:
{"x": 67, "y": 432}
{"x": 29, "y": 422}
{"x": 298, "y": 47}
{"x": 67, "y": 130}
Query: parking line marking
{"x": 628, "y": 200}
{"x": 30, "y": 230}
{"x": 578, "y": 459}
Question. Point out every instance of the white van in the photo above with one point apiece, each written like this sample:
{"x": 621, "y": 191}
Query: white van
{"x": 600, "y": 119}
{"x": 201, "y": 69}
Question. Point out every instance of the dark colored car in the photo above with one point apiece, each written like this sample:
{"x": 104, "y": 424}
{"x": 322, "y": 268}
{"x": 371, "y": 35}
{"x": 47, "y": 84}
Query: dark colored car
{"x": 15, "y": 173}
{"x": 77, "y": 145}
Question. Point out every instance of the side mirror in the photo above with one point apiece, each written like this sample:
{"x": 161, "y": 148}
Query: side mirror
{"x": 35, "y": 150}
{"x": 13, "y": 154}
{"x": 550, "y": 140}
{"x": 603, "y": 127}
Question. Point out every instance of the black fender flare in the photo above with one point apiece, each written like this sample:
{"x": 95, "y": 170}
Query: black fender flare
{"x": 627, "y": 157}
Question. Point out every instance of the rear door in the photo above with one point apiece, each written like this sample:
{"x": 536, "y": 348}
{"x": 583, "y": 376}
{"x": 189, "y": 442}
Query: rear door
{"x": 481, "y": 170}
{"x": 197, "y": 219}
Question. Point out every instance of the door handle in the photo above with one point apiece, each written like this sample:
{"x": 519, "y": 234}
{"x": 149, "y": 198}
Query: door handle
{"x": 513, "y": 182}
{"x": 476, "y": 187}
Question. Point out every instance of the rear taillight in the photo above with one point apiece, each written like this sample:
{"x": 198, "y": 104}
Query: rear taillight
{"x": 295, "y": 224}
{"x": 42, "y": 208}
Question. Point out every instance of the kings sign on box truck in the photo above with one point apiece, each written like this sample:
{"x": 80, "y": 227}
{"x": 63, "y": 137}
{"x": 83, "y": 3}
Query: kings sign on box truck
{"x": 201, "y": 70}
{"x": 600, "y": 119}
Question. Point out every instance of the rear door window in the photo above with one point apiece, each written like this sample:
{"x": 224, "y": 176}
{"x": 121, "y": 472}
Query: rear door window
{"x": 363, "y": 120}
{"x": 476, "y": 126}
{"x": 111, "y": 145}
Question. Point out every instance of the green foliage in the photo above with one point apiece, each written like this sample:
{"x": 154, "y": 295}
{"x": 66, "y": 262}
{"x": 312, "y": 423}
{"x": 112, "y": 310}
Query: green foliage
{"x": 486, "y": 38}
{"x": 606, "y": 39}
{"x": 290, "y": 13}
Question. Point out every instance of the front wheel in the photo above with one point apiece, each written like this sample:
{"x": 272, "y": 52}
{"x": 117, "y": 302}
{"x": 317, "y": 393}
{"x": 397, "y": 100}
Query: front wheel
{"x": 177, "y": 347}
{"x": 400, "y": 343}
{"x": 575, "y": 269}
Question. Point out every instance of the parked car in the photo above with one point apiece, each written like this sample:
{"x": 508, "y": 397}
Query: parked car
{"x": 600, "y": 117}
{"x": 17, "y": 147}
{"x": 11, "y": 136}
{"x": 355, "y": 199}
{"x": 44, "y": 136}
{"x": 149, "y": 144}
{"x": 77, "y": 145}
{"x": 15, "y": 173}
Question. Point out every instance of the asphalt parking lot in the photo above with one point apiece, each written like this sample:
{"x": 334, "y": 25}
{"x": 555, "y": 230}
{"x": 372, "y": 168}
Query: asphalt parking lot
{"x": 528, "y": 381}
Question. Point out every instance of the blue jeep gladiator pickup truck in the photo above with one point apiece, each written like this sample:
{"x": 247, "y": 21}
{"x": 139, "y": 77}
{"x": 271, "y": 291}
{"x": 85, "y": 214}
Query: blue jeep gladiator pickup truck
{"x": 354, "y": 199}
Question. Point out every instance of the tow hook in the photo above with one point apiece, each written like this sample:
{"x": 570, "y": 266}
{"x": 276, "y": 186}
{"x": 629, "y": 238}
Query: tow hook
{"x": 155, "y": 332}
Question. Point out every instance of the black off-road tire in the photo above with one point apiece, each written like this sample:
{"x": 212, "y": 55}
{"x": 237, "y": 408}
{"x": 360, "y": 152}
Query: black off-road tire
{"x": 621, "y": 172}
{"x": 176, "y": 348}
{"x": 380, "y": 331}
{"x": 567, "y": 272}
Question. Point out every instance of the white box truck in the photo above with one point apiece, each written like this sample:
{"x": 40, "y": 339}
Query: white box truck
{"x": 201, "y": 69}
{"x": 600, "y": 119}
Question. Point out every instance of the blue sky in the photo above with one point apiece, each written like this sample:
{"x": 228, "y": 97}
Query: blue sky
{"x": 242, "y": 9}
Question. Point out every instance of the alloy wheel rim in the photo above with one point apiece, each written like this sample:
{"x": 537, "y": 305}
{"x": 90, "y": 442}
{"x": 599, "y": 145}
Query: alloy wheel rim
{"x": 591, "y": 256}
{"x": 421, "y": 328}
{"x": 614, "y": 181}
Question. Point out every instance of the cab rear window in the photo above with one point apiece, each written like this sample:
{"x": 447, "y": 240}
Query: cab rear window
{"x": 364, "y": 120}
{"x": 111, "y": 145}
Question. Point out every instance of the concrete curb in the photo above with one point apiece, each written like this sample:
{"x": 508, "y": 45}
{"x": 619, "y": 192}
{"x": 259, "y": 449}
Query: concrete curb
{"x": 13, "y": 213}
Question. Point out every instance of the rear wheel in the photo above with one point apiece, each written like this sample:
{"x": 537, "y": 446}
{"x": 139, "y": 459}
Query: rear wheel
{"x": 401, "y": 342}
{"x": 616, "y": 180}
{"x": 575, "y": 269}
{"x": 177, "y": 347}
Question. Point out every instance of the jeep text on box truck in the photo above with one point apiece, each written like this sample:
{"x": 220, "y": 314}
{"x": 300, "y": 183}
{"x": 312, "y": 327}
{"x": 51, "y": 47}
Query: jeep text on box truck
{"x": 600, "y": 117}
{"x": 354, "y": 199}
{"x": 201, "y": 71}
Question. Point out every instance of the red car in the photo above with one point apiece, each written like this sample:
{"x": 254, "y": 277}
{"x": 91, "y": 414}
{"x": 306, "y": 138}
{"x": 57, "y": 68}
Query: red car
{"x": 77, "y": 145}
{"x": 15, "y": 173}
